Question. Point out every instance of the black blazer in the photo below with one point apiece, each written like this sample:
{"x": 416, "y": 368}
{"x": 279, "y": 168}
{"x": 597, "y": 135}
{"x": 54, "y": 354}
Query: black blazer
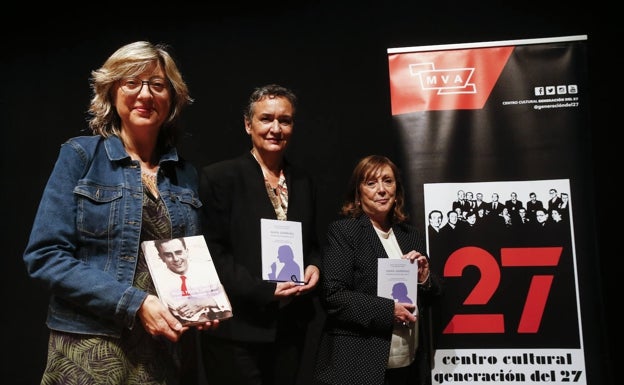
{"x": 355, "y": 342}
{"x": 234, "y": 198}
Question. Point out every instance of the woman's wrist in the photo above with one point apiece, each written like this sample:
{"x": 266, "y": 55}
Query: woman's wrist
{"x": 426, "y": 282}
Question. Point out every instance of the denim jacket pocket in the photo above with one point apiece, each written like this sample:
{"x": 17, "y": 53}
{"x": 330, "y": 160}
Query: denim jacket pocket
{"x": 97, "y": 208}
{"x": 184, "y": 208}
{"x": 190, "y": 198}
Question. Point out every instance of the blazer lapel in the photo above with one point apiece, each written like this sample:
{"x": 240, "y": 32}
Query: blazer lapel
{"x": 372, "y": 238}
{"x": 402, "y": 237}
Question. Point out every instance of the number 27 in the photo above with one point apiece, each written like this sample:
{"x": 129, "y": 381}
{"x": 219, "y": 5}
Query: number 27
{"x": 488, "y": 283}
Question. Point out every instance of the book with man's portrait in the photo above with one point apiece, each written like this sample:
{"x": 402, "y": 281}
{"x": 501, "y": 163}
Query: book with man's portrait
{"x": 186, "y": 280}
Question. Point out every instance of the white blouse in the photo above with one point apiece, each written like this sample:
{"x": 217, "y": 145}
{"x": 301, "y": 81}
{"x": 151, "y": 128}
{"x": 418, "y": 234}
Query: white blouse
{"x": 404, "y": 339}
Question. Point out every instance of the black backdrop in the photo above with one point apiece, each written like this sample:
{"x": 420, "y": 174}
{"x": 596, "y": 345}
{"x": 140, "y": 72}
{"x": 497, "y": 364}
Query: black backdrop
{"x": 333, "y": 56}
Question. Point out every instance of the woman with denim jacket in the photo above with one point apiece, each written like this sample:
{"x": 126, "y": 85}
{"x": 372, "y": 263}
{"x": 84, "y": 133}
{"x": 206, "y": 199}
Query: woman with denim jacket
{"x": 107, "y": 193}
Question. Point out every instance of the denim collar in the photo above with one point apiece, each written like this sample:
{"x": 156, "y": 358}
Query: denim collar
{"x": 117, "y": 152}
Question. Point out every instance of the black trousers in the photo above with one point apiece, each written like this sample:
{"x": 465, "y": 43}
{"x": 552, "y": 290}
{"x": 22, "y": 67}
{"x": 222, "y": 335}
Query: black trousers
{"x": 403, "y": 376}
{"x": 250, "y": 363}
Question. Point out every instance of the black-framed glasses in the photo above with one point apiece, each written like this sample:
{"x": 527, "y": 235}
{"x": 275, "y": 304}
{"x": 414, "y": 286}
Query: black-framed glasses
{"x": 134, "y": 85}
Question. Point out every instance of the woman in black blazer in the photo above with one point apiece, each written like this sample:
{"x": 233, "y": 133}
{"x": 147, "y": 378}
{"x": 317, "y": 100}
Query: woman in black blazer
{"x": 367, "y": 338}
{"x": 262, "y": 343}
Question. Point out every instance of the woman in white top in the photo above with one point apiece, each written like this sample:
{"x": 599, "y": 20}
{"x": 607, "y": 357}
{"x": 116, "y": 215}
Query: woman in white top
{"x": 368, "y": 338}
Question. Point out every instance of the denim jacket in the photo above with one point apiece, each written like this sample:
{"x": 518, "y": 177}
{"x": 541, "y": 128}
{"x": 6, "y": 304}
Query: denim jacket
{"x": 84, "y": 243}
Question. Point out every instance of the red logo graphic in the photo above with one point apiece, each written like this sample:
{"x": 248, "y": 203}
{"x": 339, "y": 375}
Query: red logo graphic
{"x": 444, "y": 80}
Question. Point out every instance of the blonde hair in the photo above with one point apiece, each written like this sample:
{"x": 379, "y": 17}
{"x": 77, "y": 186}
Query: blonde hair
{"x": 131, "y": 60}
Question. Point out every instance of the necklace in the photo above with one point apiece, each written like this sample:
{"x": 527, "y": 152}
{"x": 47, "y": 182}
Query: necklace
{"x": 149, "y": 181}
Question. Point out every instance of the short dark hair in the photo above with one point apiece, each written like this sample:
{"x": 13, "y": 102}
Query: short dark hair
{"x": 268, "y": 91}
{"x": 159, "y": 242}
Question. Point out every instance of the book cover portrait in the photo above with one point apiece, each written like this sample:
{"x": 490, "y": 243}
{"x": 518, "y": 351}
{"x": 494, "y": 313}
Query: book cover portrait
{"x": 186, "y": 279}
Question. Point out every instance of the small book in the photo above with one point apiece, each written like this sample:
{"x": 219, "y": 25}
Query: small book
{"x": 282, "y": 251}
{"x": 186, "y": 279}
{"x": 397, "y": 279}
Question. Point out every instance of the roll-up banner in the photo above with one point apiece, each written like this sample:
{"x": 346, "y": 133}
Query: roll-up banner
{"x": 494, "y": 139}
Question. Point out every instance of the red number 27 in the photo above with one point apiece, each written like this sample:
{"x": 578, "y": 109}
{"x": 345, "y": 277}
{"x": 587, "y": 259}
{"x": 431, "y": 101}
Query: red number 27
{"x": 489, "y": 281}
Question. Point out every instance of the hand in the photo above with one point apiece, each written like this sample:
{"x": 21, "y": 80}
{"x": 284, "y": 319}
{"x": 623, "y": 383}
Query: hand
{"x": 158, "y": 320}
{"x": 423, "y": 265}
{"x": 311, "y": 275}
{"x": 208, "y": 325}
{"x": 286, "y": 289}
{"x": 404, "y": 313}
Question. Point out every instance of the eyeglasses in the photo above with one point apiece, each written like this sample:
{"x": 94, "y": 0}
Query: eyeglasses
{"x": 132, "y": 86}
